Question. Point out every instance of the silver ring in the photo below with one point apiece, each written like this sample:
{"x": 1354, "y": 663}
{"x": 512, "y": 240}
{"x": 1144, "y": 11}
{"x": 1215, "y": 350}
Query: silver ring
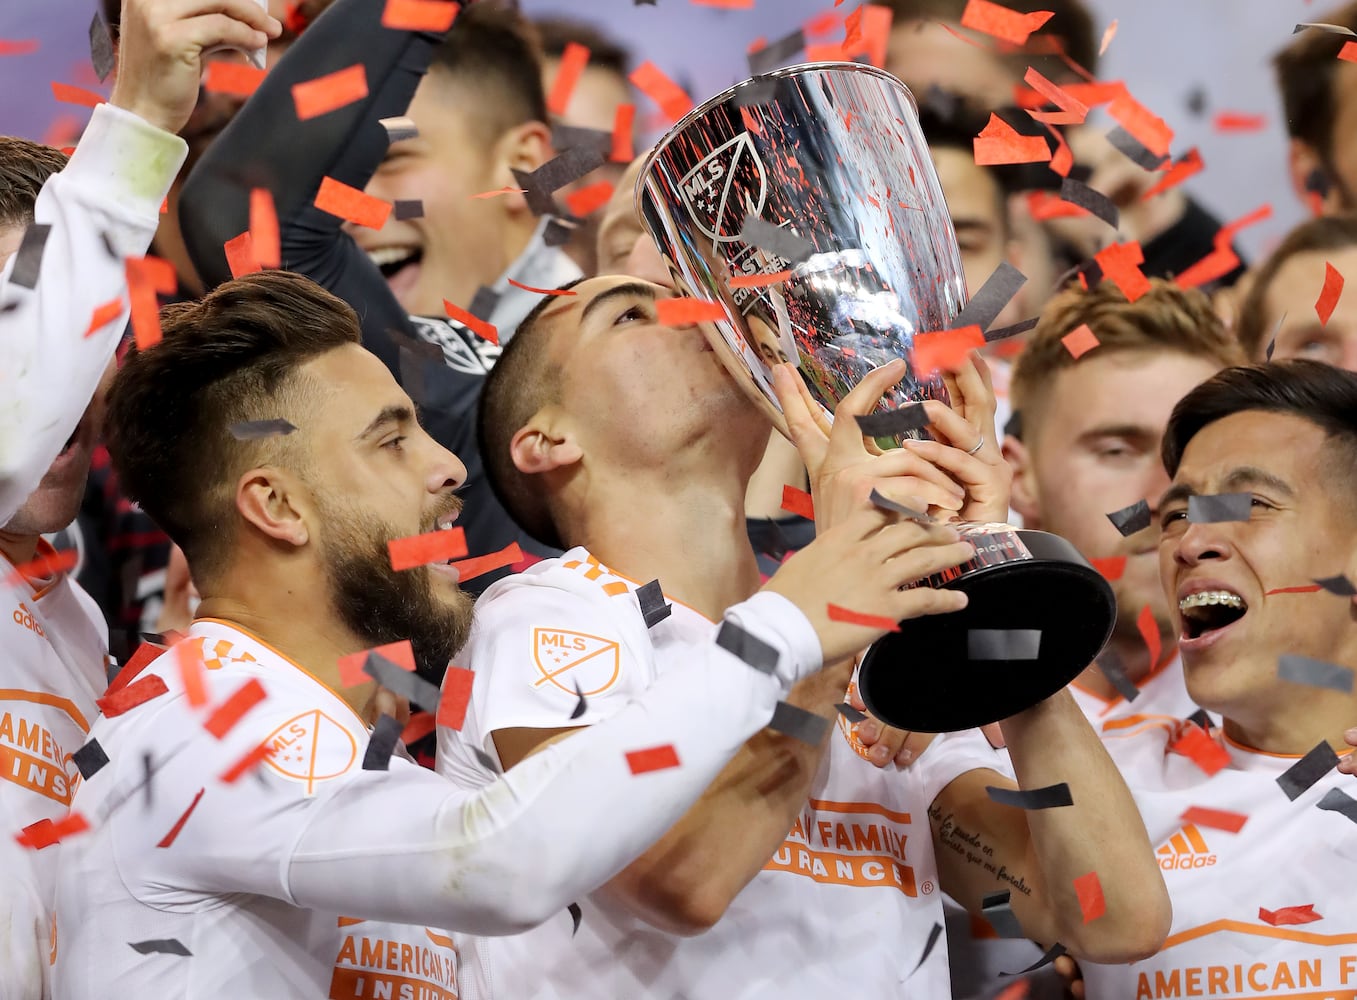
{"x": 978, "y": 445}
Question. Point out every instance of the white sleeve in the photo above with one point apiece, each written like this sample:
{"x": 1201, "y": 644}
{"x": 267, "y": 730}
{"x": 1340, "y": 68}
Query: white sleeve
{"x": 114, "y": 185}
{"x": 951, "y": 755}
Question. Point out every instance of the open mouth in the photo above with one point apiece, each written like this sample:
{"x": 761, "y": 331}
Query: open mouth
{"x": 1209, "y": 611}
{"x": 392, "y": 260}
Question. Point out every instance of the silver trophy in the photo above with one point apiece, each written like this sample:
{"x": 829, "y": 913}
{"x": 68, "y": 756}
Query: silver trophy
{"x": 806, "y": 202}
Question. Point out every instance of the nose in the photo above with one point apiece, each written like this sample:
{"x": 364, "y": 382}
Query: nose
{"x": 446, "y": 471}
{"x": 1199, "y": 543}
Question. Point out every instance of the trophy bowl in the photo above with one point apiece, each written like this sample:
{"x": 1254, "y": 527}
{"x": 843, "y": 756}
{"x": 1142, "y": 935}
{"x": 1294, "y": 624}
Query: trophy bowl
{"x": 805, "y": 201}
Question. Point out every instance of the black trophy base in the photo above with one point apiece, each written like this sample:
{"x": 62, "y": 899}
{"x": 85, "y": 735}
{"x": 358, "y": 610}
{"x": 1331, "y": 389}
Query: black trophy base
{"x": 944, "y": 673}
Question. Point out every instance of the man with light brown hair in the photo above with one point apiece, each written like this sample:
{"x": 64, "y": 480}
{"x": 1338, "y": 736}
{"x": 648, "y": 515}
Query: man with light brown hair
{"x": 1087, "y": 445}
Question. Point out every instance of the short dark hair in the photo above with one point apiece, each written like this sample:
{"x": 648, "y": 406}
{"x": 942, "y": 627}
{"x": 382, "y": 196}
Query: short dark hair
{"x": 24, "y": 169}
{"x": 523, "y": 380}
{"x": 1311, "y": 390}
{"x": 1306, "y": 72}
{"x": 604, "y": 52}
{"x": 230, "y": 357}
{"x": 1070, "y": 27}
{"x": 1328, "y": 232}
{"x": 494, "y": 51}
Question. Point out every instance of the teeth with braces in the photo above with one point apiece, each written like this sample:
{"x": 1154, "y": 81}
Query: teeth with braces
{"x": 390, "y": 255}
{"x": 1206, "y": 597}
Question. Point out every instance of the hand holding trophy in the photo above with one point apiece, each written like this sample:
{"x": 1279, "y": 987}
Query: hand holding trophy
{"x": 806, "y": 202}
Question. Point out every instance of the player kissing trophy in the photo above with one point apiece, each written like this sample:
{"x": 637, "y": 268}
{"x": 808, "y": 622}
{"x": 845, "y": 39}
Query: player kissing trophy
{"x": 821, "y": 171}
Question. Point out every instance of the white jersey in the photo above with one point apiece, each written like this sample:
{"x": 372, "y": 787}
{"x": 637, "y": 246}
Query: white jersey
{"x": 294, "y": 881}
{"x": 1163, "y": 695}
{"x": 1240, "y": 924}
{"x": 53, "y": 670}
{"x": 847, "y": 903}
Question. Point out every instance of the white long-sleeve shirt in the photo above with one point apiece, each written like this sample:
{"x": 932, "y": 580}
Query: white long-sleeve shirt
{"x": 113, "y": 187}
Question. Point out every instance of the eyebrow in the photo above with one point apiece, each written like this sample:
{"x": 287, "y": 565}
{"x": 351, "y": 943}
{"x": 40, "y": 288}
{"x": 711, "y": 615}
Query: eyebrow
{"x": 1235, "y": 482}
{"x": 631, "y": 289}
{"x": 397, "y": 413}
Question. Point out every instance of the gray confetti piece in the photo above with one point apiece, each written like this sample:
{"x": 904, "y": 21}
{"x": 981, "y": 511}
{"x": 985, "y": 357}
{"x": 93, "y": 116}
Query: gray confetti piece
{"x": 1131, "y": 520}
{"x": 752, "y": 650}
{"x": 582, "y": 705}
{"x": 1004, "y": 332}
{"x": 1337, "y": 801}
{"x": 409, "y": 209}
{"x": 1339, "y": 585}
{"x": 754, "y": 93}
{"x": 654, "y": 608}
{"x": 1336, "y": 29}
{"x": 775, "y": 239}
{"x": 996, "y": 907}
{"x": 909, "y": 513}
{"x": 565, "y": 137}
{"x": 405, "y": 683}
{"x": 557, "y": 233}
{"x": 1314, "y": 673}
{"x": 1131, "y": 147}
{"x": 576, "y": 915}
{"x": 1202, "y": 720}
{"x": 1052, "y": 953}
{"x": 483, "y": 303}
{"x": 161, "y": 946}
{"x": 89, "y": 759}
{"x": 555, "y": 174}
{"x": 256, "y": 430}
{"x": 101, "y": 48}
{"x": 1219, "y": 507}
{"x": 1111, "y": 666}
{"x": 1003, "y": 643}
{"x": 382, "y": 744}
{"x": 1318, "y": 181}
{"x": 776, "y": 54}
{"x": 889, "y": 423}
{"x": 997, "y": 291}
{"x": 929, "y": 945}
{"x": 1296, "y": 780}
{"x": 486, "y": 761}
{"x": 789, "y": 720}
{"x": 399, "y": 128}
{"x": 28, "y": 261}
{"x": 1050, "y": 797}
{"x": 1095, "y": 202}
{"x": 850, "y": 713}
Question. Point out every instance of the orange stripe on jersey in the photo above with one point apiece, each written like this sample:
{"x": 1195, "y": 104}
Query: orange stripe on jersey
{"x": 1128, "y": 721}
{"x": 1258, "y": 930}
{"x": 442, "y": 940}
{"x": 860, "y": 807}
{"x": 350, "y": 921}
{"x": 615, "y": 588}
{"x": 1194, "y": 837}
{"x": 51, "y": 700}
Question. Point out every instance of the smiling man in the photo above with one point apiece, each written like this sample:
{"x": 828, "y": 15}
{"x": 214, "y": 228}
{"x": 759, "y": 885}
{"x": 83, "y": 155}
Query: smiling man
{"x": 1253, "y": 824}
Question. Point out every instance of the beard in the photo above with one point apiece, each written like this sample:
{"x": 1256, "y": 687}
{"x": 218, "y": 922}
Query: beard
{"x": 382, "y": 605}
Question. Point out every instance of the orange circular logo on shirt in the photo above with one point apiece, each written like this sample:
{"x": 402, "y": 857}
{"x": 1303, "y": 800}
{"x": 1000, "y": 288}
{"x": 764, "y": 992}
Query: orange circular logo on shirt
{"x": 310, "y": 748}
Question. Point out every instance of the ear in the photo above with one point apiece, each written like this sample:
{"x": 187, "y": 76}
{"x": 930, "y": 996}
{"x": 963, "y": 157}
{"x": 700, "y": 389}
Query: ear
{"x": 272, "y": 501}
{"x": 1303, "y": 161}
{"x": 525, "y": 148}
{"x": 543, "y": 445}
{"x": 1025, "y": 497}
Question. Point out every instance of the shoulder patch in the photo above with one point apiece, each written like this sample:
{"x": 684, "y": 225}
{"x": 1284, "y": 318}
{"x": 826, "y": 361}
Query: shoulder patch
{"x": 311, "y": 748}
{"x": 572, "y": 661}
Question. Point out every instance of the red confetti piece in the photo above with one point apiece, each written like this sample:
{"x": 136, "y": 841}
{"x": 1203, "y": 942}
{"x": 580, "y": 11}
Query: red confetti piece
{"x": 45, "y": 833}
{"x": 1149, "y": 129}
{"x": 147, "y": 276}
{"x": 1196, "y": 744}
{"x": 1072, "y": 110}
{"x": 18, "y": 46}
{"x": 419, "y": 15}
{"x": 192, "y": 673}
{"x": 457, "y": 683}
{"x": 1090, "y": 893}
{"x": 439, "y": 546}
{"x": 945, "y": 350}
{"x": 651, "y": 81}
{"x": 248, "y": 762}
{"x": 850, "y": 617}
{"x": 224, "y": 718}
{"x": 469, "y": 569}
{"x": 264, "y": 228}
{"x": 652, "y": 759}
{"x": 115, "y": 703}
{"x": 1235, "y": 121}
{"x": 681, "y": 312}
{"x": 960, "y": 37}
{"x": 232, "y": 79}
{"x": 1063, "y": 157}
{"x": 240, "y": 256}
{"x": 759, "y": 280}
{"x": 330, "y": 92}
{"x": 104, "y": 315}
{"x": 589, "y": 198}
{"x": 571, "y": 66}
{"x": 170, "y": 837}
{"x": 67, "y": 94}
{"x": 1222, "y": 260}
{"x": 726, "y": 4}
{"x": 1329, "y": 294}
{"x": 499, "y": 191}
{"x": 1111, "y": 567}
{"x": 798, "y": 502}
{"x": 351, "y": 204}
{"x": 1045, "y": 205}
{"x": 1189, "y": 165}
{"x": 867, "y": 31}
{"x": 351, "y": 672}
{"x": 1348, "y": 52}
{"x": 1216, "y": 819}
{"x": 1306, "y": 589}
{"x": 421, "y": 724}
{"x": 542, "y": 291}
{"x": 478, "y": 326}
{"x": 999, "y": 143}
{"x": 624, "y": 122}
{"x": 1149, "y": 631}
{"x": 1080, "y": 340}
{"x": 1120, "y": 265}
{"x": 1290, "y": 915}
{"x": 1001, "y": 22}
{"x": 141, "y": 658}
